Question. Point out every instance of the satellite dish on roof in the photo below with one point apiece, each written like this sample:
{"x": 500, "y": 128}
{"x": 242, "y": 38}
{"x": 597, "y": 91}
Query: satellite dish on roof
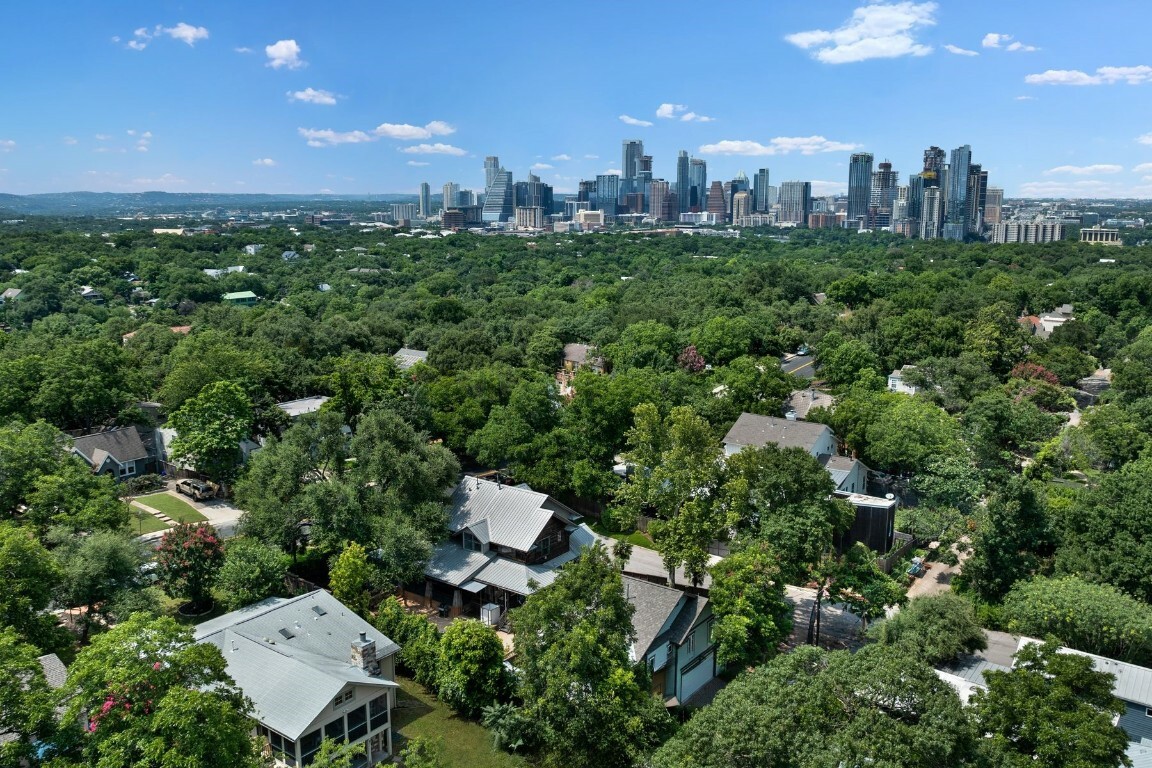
{"x": 889, "y": 496}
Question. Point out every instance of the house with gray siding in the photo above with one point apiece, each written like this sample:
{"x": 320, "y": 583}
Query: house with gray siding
{"x": 119, "y": 453}
{"x": 312, "y": 669}
{"x": 673, "y": 637}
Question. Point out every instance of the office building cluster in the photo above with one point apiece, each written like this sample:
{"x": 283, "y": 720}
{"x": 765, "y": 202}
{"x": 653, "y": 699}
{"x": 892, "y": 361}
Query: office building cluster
{"x": 948, "y": 198}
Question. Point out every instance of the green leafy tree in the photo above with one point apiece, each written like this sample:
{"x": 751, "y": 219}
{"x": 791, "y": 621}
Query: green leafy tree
{"x": 424, "y": 752}
{"x": 417, "y": 637}
{"x": 1115, "y": 435}
{"x": 27, "y": 452}
{"x": 877, "y": 706}
{"x": 251, "y": 571}
{"x": 677, "y": 471}
{"x": 848, "y": 362}
{"x": 949, "y": 481}
{"x": 1096, "y": 618}
{"x": 471, "y": 674}
{"x": 188, "y": 560}
{"x": 350, "y": 578}
{"x": 934, "y": 628}
{"x": 96, "y": 570}
{"x": 30, "y": 575}
{"x": 1052, "y": 710}
{"x": 26, "y": 702}
{"x": 1106, "y": 533}
{"x": 1012, "y": 537}
{"x": 72, "y": 497}
{"x": 647, "y": 344}
{"x": 153, "y": 697}
{"x": 752, "y": 615}
{"x": 862, "y": 587}
{"x": 588, "y": 704}
{"x": 210, "y": 427}
{"x": 337, "y": 754}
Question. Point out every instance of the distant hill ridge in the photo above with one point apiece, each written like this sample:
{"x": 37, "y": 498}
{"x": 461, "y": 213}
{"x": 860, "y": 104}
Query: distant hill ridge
{"x": 88, "y": 203}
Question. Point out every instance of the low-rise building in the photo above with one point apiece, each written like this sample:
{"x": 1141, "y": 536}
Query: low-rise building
{"x": 408, "y": 358}
{"x": 673, "y": 637}
{"x": 240, "y": 298}
{"x": 118, "y": 453}
{"x": 313, "y": 669}
{"x": 896, "y": 381}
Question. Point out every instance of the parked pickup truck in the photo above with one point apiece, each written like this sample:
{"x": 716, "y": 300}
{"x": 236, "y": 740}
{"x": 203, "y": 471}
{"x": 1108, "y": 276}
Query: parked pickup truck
{"x": 194, "y": 489}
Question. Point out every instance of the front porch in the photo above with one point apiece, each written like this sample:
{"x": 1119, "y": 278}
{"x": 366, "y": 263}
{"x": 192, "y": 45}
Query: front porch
{"x": 442, "y": 613}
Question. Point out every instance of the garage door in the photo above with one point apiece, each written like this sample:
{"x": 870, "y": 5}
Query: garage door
{"x": 697, "y": 674}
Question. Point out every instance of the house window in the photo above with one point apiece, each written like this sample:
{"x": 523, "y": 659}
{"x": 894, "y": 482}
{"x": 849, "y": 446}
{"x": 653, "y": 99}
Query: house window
{"x": 378, "y": 712}
{"x": 546, "y": 547}
{"x": 335, "y": 729}
{"x": 691, "y": 643}
{"x": 1148, "y": 712}
{"x": 309, "y": 746}
{"x": 358, "y": 723}
{"x": 470, "y": 542}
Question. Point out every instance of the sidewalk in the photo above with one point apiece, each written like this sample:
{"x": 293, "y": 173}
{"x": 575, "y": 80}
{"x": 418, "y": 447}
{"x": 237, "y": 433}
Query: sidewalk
{"x": 223, "y": 516}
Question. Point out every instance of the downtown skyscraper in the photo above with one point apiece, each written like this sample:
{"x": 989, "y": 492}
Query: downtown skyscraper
{"x": 760, "y": 184}
{"x": 491, "y": 168}
{"x": 425, "y": 200}
{"x": 956, "y": 194}
{"x": 683, "y": 185}
{"x": 630, "y": 153}
{"x": 859, "y": 189}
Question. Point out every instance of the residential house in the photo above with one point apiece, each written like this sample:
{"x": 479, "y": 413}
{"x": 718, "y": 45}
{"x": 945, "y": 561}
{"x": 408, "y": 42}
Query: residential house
{"x": 875, "y": 523}
{"x": 91, "y": 295}
{"x": 574, "y": 358}
{"x": 896, "y": 381}
{"x": 10, "y": 294}
{"x": 289, "y": 256}
{"x": 312, "y": 669}
{"x": 55, "y": 674}
{"x": 297, "y": 408}
{"x": 218, "y": 273}
{"x": 120, "y": 453}
{"x": 240, "y": 299}
{"x": 407, "y": 358}
{"x": 673, "y": 637}
{"x": 252, "y": 249}
{"x": 504, "y": 543}
{"x": 1043, "y": 325}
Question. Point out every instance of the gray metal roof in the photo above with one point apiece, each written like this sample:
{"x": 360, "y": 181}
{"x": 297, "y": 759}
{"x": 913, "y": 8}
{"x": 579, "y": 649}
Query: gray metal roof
{"x": 124, "y": 445}
{"x": 757, "y": 431}
{"x": 297, "y": 408}
{"x": 406, "y": 358}
{"x": 452, "y": 564}
{"x": 971, "y": 667}
{"x": 499, "y": 514}
{"x": 657, "y": 608}
{"x": 1133, "y": 683}
{"x": 291, "y": 675}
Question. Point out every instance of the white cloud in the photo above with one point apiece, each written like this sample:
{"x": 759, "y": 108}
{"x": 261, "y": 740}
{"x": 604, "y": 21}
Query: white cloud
{"x": 70, "y": 140}
{"x": 597, "y": 157}
{"x": 1025, "y": 98}
{"x": 1145, "y": 139}
{"x": 692, "y": 117}
{"x": 418, "y": 163}
{"x": 561, "y": 157}
{"x": 1021, "y": 47}
{"x": 822, "y": 188}
{"x": 611, "y": 172}
{"x": 164, "y": 180}
{"x": 669, "y": 111}
{"x": 313, "y": 96}
{"x": 629, "y": 120}
{"x": 1091, "y": 188}
{"x": 434, "y": 149}
{"x": 284, "y": 53}
{"x": 326, "y": 137}
{"x": 960, "y": 51}
{"x": 242, "y": 49}
{"x": 993, "y": 40}
{"x": 406, "y": 132}
{"x": 1085, "y": 170}
{"x": 265, "y": 162}
{"x": 7, "y": 145}
{"x": 781, "y": 145}
{"x": 1143, "y": 168}
{"x": 1104, "y": 76}
{"x": 185, "y": 32}
{"x": 879, "y": 31}
{"x": 540, "y": 167}
{"x": 102, "y": 137}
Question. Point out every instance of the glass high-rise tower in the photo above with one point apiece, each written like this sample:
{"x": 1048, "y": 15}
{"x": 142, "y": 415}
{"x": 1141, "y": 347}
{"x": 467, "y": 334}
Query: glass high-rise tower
{"x": 956, "y": 194}
{"x": 500, "y": 200}
{"x": 683, "y": 185}
{"x": 859, "y": 188}
{"x": 760, "y": 184}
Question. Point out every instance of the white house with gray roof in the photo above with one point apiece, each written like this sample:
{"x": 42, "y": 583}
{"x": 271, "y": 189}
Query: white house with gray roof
{"x": 504, "y": 543}
{"x": 313, "y": 669}
{"x": 875, "y": 523}
{"x": 673, "y": 637}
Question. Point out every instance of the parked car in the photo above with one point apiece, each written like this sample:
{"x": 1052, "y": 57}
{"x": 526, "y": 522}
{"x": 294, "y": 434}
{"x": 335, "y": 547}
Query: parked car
{"x": 194, "y": 489}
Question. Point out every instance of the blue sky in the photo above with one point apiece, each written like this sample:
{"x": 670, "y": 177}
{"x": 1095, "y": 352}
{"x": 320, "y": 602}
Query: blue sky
{"x": 1055, "y": 97}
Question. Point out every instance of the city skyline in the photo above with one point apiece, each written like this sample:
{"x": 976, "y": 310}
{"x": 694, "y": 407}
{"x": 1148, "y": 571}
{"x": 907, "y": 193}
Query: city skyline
{"x": 274, "y": 98}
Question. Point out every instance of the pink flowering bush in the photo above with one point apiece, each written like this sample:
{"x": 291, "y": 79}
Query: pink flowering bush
{"x": 187, "y": 561}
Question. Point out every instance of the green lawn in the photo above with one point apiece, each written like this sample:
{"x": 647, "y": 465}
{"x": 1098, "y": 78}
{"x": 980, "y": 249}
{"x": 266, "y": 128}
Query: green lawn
{"x": 636, "y": 537}
{"x": 143, "y": 522}
{"x": 466, "y": 743}
{"x": 176, "y": 509}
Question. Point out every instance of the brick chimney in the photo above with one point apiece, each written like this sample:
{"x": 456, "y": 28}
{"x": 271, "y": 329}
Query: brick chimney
{"x": 364, "y": 655}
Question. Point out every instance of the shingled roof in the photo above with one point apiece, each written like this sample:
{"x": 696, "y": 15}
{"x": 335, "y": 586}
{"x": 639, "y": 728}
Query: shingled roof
{"x": 753, "y": 430}
{"x": 124, "y": 445}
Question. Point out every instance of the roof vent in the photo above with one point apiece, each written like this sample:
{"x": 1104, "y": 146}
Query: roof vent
{"x": 286, "y": 633}
{"x": 319, "y": 610}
